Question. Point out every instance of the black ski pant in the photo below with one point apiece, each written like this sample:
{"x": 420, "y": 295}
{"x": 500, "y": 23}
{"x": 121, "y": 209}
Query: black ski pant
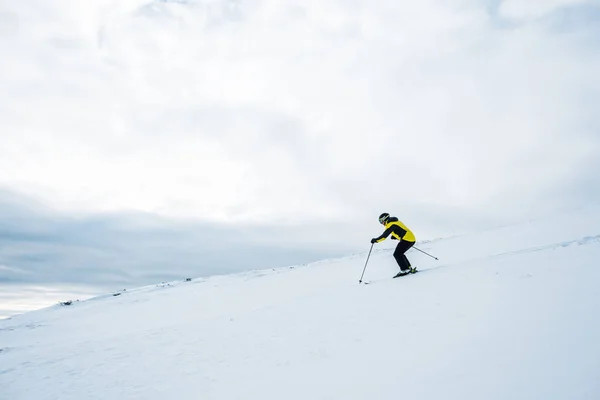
{"x": 401, "y": 259}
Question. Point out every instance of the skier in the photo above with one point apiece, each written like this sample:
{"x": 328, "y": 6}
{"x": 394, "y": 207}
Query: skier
{"x": 400, "y": 232}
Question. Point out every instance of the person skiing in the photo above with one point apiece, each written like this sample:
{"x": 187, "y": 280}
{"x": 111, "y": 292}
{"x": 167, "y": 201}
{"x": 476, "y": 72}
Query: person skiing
{"x": 400, "y": 232}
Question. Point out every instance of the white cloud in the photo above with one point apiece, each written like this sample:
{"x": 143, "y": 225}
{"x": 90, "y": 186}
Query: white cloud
{"x": 535, "y": 8}
{"x": 295, "y": 110}
{"x": 5, "y": 270}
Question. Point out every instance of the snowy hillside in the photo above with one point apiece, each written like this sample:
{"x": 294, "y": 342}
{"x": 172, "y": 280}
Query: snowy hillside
{"x": 510, "y": 313}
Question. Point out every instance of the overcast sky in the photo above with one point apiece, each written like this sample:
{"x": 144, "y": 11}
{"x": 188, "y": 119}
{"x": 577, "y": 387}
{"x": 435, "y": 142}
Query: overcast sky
{"x": 283, "y": 127}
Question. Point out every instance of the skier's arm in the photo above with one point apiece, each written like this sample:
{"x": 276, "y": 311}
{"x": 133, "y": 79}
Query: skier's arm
{"x": 385, "y": 234}
{"x": 393, "y": 228}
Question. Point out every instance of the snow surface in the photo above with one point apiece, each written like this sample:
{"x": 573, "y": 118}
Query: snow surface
{"x": 510, "y": 313}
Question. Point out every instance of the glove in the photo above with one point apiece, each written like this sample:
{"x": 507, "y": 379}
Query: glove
{"x": 373, "y": 240}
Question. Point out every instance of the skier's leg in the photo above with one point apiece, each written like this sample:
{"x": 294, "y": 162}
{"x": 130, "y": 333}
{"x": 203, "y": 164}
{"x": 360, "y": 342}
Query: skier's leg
{"x": 408, "y": 246}
{"x": 400, "y": 257}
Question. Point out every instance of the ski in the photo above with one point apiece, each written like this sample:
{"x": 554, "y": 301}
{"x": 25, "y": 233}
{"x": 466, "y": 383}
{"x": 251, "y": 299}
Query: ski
{"x": 400, "y": 274}
{"x": 393, "y": 277}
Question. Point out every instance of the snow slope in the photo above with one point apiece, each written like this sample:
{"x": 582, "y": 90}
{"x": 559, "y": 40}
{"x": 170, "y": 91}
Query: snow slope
{"x": 510, "y": 313}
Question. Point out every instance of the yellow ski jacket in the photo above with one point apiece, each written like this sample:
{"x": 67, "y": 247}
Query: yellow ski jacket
{"x": 398, "y": 231}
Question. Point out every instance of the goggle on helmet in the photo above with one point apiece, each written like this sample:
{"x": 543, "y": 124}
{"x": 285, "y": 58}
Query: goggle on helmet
{"x": 383, "y": 218}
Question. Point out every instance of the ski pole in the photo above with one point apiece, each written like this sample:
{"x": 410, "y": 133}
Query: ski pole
{"x": 363, "y": 274}
{"x": 425, "y": 253}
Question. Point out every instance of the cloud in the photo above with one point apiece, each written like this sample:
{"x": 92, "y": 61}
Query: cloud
{"x": 12, "y": 270}
{"x": 132, "y": 249}
{"x": 535, "y": 8}
{"x": 314, "y": 115}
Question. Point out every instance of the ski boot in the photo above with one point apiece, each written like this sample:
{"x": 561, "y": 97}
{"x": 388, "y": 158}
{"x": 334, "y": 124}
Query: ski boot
{"x": 402, "y": 273}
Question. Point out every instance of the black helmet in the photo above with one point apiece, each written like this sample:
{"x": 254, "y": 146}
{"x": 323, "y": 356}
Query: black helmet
{"x": 383, "y": 218}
